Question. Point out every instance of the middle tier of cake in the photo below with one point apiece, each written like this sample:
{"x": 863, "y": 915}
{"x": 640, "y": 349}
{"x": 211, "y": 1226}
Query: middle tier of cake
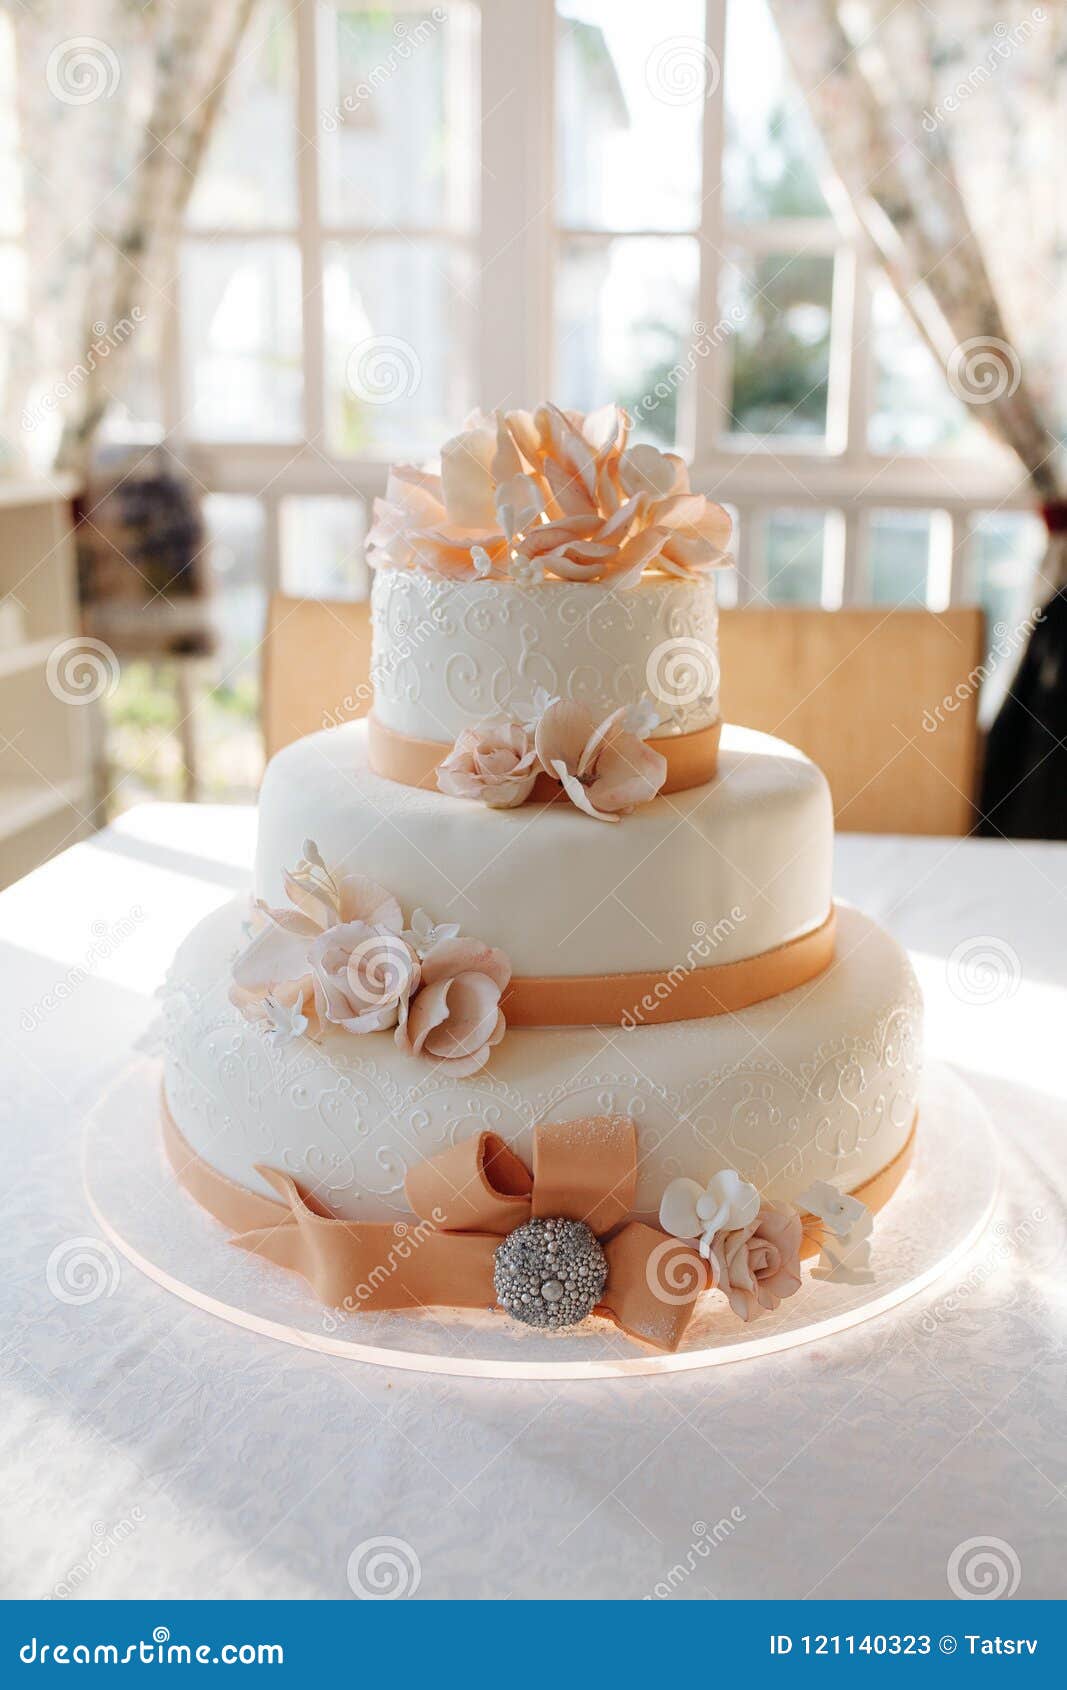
{"x": 742, "y": 864}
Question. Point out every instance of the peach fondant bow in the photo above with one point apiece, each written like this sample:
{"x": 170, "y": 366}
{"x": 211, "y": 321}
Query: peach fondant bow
{"x": 467, "y": 1199}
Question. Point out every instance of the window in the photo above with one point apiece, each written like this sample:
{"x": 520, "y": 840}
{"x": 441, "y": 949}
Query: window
{"x": 410, "y": 209}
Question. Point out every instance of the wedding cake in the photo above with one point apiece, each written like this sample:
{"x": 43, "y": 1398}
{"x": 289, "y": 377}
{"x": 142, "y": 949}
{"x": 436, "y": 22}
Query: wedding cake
{"x": 542, "y": 1001}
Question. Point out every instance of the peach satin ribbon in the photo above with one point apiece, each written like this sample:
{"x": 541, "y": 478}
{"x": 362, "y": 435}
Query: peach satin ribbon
{"x": 467, "y": 1199}
{"x": 631, "y": 1000}
{"x": 691, "y": 760}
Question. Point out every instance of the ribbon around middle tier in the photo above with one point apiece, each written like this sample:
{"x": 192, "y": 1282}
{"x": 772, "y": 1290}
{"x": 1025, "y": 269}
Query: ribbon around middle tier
{"x": 692, "y": 760}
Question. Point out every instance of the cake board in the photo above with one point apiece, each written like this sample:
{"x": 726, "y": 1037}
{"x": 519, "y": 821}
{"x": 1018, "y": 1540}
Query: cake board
{"x": 928, "y": 1228}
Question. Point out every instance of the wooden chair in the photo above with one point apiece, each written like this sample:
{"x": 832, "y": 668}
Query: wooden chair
{"x": 870, "y": 695}
{"x": 885, "y": 701}
{"x": 316, "y": 666}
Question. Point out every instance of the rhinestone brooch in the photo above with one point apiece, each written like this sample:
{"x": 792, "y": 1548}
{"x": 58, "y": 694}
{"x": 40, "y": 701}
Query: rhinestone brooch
{"x": 549, "y": 1273}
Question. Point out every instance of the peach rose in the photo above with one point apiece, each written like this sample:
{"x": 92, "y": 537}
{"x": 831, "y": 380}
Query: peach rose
{"x": 495, "y": 762}
{"x": 273, "y": 973}
{"x": 364, "y": 975}
{"x": 607, "y": 770}
{"x": 758, "y": 1265}
{"x": 455, "y": 1017}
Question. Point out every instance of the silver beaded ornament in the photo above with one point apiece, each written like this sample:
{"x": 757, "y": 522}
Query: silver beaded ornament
{"x": 549, "y": 1273}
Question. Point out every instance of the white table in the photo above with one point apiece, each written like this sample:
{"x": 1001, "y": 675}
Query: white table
{"x": 148, "y": 1450}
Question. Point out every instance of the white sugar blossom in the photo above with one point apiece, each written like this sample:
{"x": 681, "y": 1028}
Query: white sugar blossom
{"x": 691, "y": 1210}
{"x": 424, "y": 933}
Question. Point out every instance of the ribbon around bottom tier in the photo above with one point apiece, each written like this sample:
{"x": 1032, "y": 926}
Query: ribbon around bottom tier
{"x": 466, "y": 1200}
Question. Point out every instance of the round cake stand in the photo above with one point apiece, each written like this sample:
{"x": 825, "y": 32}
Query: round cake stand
{"x": 926, "y": 1229}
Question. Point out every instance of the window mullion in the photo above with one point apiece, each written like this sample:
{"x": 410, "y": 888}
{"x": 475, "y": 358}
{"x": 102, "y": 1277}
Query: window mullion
{"x": 713, "y": 385}
{"x": 517, "y": 240}
{"x": 310, "y": 220}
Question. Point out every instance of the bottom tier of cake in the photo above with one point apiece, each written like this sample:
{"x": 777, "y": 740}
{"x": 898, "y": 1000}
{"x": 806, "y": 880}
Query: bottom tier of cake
{"x": 817, "y": 1084}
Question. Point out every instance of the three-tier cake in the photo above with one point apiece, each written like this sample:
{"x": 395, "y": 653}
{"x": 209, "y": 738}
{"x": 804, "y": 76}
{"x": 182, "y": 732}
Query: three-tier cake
{"x": 543, "y": 964}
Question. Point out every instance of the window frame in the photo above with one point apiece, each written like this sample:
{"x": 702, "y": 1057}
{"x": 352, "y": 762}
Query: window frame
{"x": 516, "y": 244}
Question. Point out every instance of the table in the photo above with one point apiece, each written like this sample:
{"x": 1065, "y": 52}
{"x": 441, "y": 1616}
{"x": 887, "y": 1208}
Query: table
{"x": 149, "y": 1451}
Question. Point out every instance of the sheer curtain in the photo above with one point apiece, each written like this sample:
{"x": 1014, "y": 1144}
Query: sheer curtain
{"x": 946, "y": 122}
{"x": 116, "y": 103}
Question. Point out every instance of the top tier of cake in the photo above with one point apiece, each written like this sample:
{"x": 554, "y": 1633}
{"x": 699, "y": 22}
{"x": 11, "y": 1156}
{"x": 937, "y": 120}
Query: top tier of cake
{"x": 450, "y": 653}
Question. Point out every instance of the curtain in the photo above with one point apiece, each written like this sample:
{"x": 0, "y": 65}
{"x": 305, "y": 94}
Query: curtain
{"x": 116, "y": 103}
{"x": 946, "y": 123}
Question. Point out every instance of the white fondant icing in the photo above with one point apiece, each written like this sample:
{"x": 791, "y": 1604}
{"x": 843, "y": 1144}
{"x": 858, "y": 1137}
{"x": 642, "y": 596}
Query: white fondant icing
{"x": 448, "y": 654}
{"x": 720, "y": 872}
{"x": 818, "y": 1084}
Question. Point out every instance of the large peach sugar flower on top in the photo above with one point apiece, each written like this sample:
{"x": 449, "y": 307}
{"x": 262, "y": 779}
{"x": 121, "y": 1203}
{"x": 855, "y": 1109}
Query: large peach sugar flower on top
{"x": 548, "y": 492}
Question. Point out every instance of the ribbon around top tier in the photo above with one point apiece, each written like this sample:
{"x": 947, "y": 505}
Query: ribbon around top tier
{"x": 692, "y": 760}
{"x": 467, "y": 1199}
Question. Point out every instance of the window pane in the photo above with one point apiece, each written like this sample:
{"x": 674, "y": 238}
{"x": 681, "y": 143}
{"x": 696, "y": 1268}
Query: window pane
{"x": 899, "y": 554}
{"x": 913, "y": 409}
{"x": 631, "y": 86}
{"x": 398, "y": 134}
{"x": 772, "y": 153}
{"x": 243, "y": 374}
{"x": 781, "y": 348}
{"x": 1008, "y": 546}
{"x": 624, "y": 319}
{"x": 322, "y": 548}
{"x": 398, "y": 317}
{"x": 248, "y": 178}
{"x": 10, "y": 172}
{"x": 794, "y": 556}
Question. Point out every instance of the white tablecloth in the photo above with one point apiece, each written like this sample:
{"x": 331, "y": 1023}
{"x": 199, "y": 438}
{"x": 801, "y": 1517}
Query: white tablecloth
{"x": 148, "y": 1450}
